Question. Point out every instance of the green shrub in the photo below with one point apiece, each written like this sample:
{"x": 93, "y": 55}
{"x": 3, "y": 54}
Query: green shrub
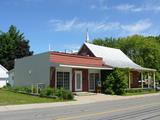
{"x": 19, "y": 89}
{"x": 7, "y": 86}
{"x": 46, "y": 92}
{"x": 25, "y": 90}
{"x": 116, "y": 82}
{"x": 138, "y": 90}
{"x": 14, "y": 89}
{"x": 64, "y": 94}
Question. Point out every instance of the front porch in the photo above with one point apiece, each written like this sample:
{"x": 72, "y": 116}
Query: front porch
{"x": 142, "y": 79}
{"x": 86, "y": 79}
{"x": 75, "y": 72}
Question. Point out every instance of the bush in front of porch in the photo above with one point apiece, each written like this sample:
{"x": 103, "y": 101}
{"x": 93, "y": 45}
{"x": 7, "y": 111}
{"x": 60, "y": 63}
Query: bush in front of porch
{"x": 116, "y": 82}
{"x": 139, "y": 91}
{"x": 59, "y": 93}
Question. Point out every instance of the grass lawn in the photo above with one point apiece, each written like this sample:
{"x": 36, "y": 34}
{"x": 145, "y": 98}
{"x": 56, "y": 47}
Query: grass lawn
{"x": 140, "y": 93}
{"x": 11, "y": 98}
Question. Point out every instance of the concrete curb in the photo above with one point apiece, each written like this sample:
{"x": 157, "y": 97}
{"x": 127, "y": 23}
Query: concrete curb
{"x": 78, "y": 102}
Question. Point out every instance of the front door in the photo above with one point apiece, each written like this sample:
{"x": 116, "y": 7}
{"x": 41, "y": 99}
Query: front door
{"x": 78, "y": 80}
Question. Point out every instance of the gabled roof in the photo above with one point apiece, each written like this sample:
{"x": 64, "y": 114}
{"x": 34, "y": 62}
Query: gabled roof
{"x": 3, "y": 72}
{"x": 3, "y": 68}
{"x": 114, "y": 57}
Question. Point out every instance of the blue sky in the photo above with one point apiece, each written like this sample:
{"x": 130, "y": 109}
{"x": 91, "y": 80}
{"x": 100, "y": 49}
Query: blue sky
{"x": 63, "y": 23}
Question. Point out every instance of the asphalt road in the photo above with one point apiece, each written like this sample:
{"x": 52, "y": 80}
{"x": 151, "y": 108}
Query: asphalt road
{"x": 146, "y": 108}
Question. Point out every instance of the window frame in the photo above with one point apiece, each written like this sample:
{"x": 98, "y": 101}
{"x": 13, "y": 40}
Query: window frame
{"x": 94, "y": 76}
{"x": 70, "y": 76}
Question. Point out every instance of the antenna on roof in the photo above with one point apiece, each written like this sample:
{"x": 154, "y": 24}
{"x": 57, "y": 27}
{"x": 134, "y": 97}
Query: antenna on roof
{"x": 50, "y": 47}
{"x": 87, "y": 36}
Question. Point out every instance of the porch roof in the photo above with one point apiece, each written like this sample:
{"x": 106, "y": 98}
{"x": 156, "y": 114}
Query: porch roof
{"x": 115, "y": 57}
{"x": 85, "y": 67}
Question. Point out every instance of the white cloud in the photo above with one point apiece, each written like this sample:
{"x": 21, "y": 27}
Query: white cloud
{"x": 64, "y": 25}
{"x": 141, "y": 8}
{"x": 137, "y": 27}
{"x": 75, "y": 24}
{"x": 100, "y": 5}
{"x": 125, "y": 7}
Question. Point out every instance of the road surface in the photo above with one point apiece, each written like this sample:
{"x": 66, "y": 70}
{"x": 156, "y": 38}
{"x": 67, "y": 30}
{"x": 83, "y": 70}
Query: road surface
{"x": 144, "y": 108}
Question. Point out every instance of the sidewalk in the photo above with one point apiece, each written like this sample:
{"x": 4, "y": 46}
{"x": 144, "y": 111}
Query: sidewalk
{"x": 79, "y": 100}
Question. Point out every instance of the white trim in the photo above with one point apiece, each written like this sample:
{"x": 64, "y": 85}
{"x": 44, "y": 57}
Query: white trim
{"x": 55, "y": 78}
{"x": 89, "y": 83}
{"x": 95, "y": 71}
{"x": 86, "y": 67}
{"x": 76, "y": 81}
{"x": 63, "y": 70}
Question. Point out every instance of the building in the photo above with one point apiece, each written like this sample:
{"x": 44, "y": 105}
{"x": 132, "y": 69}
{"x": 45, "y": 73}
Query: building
{"x": 3, "y": 76}
{"x": 77, "y": 72}
{"x": 115, "y": 58}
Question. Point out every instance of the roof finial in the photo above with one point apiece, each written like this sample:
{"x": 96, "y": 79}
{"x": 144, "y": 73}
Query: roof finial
{"x": 87, "y": 36}
{"x": 49, "y": 47}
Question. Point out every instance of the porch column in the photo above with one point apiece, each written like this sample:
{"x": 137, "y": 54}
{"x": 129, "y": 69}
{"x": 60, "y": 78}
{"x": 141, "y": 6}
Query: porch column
{"x": 129, "y": 80}
{"x": 141, "y": 79}
{"x": 154, "y": 80}
{"x": 148, "y": 79}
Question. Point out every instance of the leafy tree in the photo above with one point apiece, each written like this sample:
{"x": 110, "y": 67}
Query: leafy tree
{"x": 109, "y": 42}
{"x": 143, "y": 50}
{"x": 116, "y": 82}
{"x": 13, "y": 45}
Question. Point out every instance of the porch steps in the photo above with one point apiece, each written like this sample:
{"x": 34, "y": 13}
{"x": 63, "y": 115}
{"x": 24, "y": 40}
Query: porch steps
{"x": 84, "y": 93}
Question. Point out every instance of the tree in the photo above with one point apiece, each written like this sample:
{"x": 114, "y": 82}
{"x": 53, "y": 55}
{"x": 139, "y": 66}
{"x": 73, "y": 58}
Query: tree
{"x": 116, "y": 82}
{"x": 13, "y": 45}
{"x": 108, "y": 42}
{"x": 143, "y": 50}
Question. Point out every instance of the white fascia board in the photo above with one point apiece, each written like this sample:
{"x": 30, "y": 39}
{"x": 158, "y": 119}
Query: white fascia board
{"x": 85, "y": 67}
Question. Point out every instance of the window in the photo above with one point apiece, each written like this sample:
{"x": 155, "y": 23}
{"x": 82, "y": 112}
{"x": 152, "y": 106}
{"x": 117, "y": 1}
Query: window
{"x": 92, "y": 81}
{"x": 63, "y": 80}
{"x": 93, "y": 78}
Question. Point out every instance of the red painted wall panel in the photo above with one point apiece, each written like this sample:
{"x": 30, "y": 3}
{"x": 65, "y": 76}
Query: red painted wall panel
{"x": 135, "y": 77}
{"x": 73, "y": 80}
{"x": 64, "y": 58}
{"x": 52, "y": 77}
{"x": 85, "y": 80}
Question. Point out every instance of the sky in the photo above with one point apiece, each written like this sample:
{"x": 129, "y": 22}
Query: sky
{"x": 63, "y": 23}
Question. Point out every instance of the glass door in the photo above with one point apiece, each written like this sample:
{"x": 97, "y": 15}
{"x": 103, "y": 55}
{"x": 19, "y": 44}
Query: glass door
{"x": 78, "y": 80}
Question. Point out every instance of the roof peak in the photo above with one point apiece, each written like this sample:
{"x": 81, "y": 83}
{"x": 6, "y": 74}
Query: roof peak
{"x": 3, "y": 68}
{"x": 101, "y": 46}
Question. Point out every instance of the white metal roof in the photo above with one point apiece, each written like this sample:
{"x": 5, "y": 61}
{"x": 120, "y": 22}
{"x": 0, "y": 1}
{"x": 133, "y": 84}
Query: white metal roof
{"x": 3, "y": 72}
{"x": 114, "y": 57}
